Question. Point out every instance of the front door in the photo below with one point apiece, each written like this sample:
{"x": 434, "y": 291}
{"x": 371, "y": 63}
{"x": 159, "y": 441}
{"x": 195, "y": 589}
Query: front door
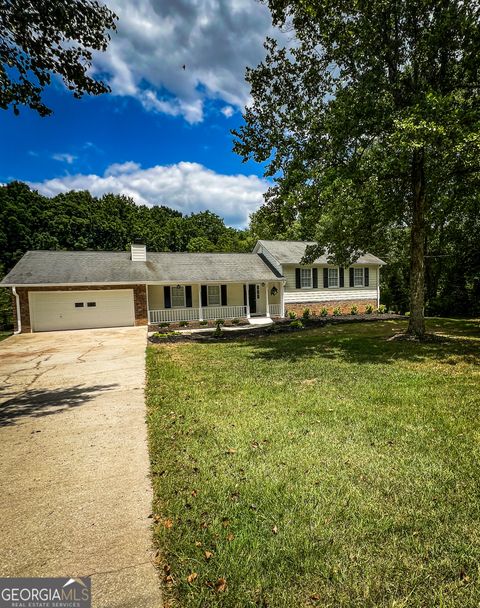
{"x": 252, "y": 297}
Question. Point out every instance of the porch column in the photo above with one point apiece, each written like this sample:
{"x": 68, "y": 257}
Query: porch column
{"x": 282, "y": 300}
{"x": 200, "y": 309}
{"x": 248, "y": 301}
{"x": 266, "y": 300}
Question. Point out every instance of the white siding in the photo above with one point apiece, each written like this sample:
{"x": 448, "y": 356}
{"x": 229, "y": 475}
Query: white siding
{"x": 322, "y": 294}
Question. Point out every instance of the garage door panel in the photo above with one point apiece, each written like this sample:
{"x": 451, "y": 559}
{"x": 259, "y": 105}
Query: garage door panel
{"x": 61, "y": 310}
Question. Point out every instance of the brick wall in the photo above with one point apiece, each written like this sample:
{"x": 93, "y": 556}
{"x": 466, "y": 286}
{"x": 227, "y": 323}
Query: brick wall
{"x": 344, "y": 305}
{"x": 139, "y": 299}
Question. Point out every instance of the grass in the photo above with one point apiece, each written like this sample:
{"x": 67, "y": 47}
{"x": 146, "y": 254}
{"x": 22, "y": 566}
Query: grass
{"x": 4, "y": 335}
{"x": 328, "y": 468}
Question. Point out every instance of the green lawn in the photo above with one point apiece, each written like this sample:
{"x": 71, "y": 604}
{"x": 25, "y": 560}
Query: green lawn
{"x": 5, "y": 334}
{"x": 328, "y": 467}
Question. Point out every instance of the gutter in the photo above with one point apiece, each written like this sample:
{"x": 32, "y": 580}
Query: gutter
{"x": 19, "y": 318}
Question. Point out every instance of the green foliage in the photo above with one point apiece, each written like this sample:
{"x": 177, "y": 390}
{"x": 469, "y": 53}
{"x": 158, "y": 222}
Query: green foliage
{"x": 235, "y": 321}
{"x": 306, "y": 314}
{"x": 354, "y": 310}
{"x": 362, "y": 452}
{"x": 370, "y": 124}
{"x": 382, "y": 309}
{"x": 41, "y": 38}
{"x": 297, "y": 324}
{"x": 292, "y": 314}
{"x": 337, "y": 312}
{"x": 368, "y": 309}
{"x": 78, "y": 220}
{"x": 183, "y": 324}
{"x": 204, "y": 322}
{"x": 324, "y": 312}
{"x": 164, "y": 324}
{"x": 220, "y": 322}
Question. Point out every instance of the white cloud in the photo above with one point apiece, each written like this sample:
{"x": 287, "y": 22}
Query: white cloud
{"x": 188, "y": 187}
{"x": 227, "y": 111}
{"x": 172, "y": 56}
{"x": 64, "y": 157}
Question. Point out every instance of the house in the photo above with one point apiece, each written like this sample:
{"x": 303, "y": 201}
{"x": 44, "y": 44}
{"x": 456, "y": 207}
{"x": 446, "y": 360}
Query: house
{"x": 59, "y": 290}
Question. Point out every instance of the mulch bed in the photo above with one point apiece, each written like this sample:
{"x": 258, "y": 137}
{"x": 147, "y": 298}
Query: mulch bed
{"x": 279, "y": 326}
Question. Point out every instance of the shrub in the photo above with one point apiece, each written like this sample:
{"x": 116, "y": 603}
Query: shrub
{"x": 369, "y": 309}
{"x": 204, "y": 322}
{"x": 324, "y": 312}
{"x": 306, "y": 314}
{"x": 336, "y": 311}
{"x": 183, "y": 323}
{"x": 160, "y": 336}
{"x": 382, "y": 309}
{"x": 297, "y": 324}
{"x": 164, "y": 324}
{"x": 235, "y": 321}
{"x": 219, "y": 322}
{"x": 407, "y": 314}
{"x": 292, "y": 314}
{"x": 354, "y": 310}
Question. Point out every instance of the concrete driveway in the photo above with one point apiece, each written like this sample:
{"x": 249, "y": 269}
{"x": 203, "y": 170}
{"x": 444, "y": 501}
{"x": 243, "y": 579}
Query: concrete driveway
{"x": 74, "y": 489}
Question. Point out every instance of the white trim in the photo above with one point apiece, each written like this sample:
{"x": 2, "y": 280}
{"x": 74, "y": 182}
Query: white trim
{"x": 266, "y": 300}
{"x": 282, "y": 300}
{"x": 378, "y": 286}
{"x": 170, "y": 282}
{"x": 219, "y": 296}
{"x": 247, "y": 300}
{"x": 19, "y": 318}
{"x": 184, "y": 304}
{"x": 337, "y": 286}
{"x": 310, "y": 285}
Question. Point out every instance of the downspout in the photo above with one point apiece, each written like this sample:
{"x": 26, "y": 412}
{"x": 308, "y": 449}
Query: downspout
{"x": 378, "y": 286}
{"x": 19, "y": 318}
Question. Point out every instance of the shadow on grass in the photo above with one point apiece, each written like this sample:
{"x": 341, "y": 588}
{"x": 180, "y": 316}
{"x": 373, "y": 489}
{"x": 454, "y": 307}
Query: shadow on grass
{"x": 458, "y": 343}
{"x": 45, "y": 402}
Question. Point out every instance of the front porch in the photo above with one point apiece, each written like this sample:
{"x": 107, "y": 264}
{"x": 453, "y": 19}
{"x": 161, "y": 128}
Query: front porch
{"x": 208, "y": 302}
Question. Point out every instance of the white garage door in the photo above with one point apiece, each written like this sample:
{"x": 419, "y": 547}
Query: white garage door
{"x": 54, "y": 310}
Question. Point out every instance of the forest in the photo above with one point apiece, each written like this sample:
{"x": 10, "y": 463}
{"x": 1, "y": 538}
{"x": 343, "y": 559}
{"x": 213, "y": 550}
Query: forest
{"x": 80, "y": 221}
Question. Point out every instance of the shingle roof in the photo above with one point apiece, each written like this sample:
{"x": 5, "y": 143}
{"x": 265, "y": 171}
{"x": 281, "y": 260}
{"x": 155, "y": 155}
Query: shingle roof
{"x": 72, "y": 267}
{"x": 291, "y": 252}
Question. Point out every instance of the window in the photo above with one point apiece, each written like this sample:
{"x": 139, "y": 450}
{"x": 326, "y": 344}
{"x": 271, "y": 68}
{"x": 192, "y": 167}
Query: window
{"x": 306, "y": 278}
{"x": 178, "y": 296}
{"x": 358, "y": 277}
{"x": 333, "y": 277}
{"x": 258, "y": 292}
{"x": 78, "y": 304}
{"x": 213, "y": 295}
{"x": 91, "y": 304}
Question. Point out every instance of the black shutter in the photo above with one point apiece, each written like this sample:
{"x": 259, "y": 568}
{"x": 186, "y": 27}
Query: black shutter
{"x": 342, "y": 277}
{"x": 325, "y": 277}
{"x": 223, "y": 289}
{"x": 352, "y": 277}
{"x": 167, "y": 298}
{"x": 188, "y": 296}
{"x": 315, "y": 277}
{"x": 204, "y": 295}
{"x": 366, "y": 277}
{"x": 297, "y": 278}
{"x": 244, "y": 295}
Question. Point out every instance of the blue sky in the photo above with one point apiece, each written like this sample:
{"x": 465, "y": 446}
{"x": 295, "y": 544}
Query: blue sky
{"x": 163, "y": 135}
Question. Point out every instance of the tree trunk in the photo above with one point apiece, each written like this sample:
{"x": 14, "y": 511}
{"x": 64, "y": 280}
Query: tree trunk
{"x": 416, "y": 326}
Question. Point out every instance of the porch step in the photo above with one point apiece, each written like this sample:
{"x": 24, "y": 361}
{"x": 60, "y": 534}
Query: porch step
{"x": 260, "y": 321}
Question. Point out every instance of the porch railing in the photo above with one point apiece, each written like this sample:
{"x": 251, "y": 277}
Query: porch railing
{"x": 224, "y": 312}
{"x": 275, "y": 310}
{"x": 174, "y": 315}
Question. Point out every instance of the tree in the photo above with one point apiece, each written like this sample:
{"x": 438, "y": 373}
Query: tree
{"x": 371, "y": 121}
{"x": 38, "y": 38}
